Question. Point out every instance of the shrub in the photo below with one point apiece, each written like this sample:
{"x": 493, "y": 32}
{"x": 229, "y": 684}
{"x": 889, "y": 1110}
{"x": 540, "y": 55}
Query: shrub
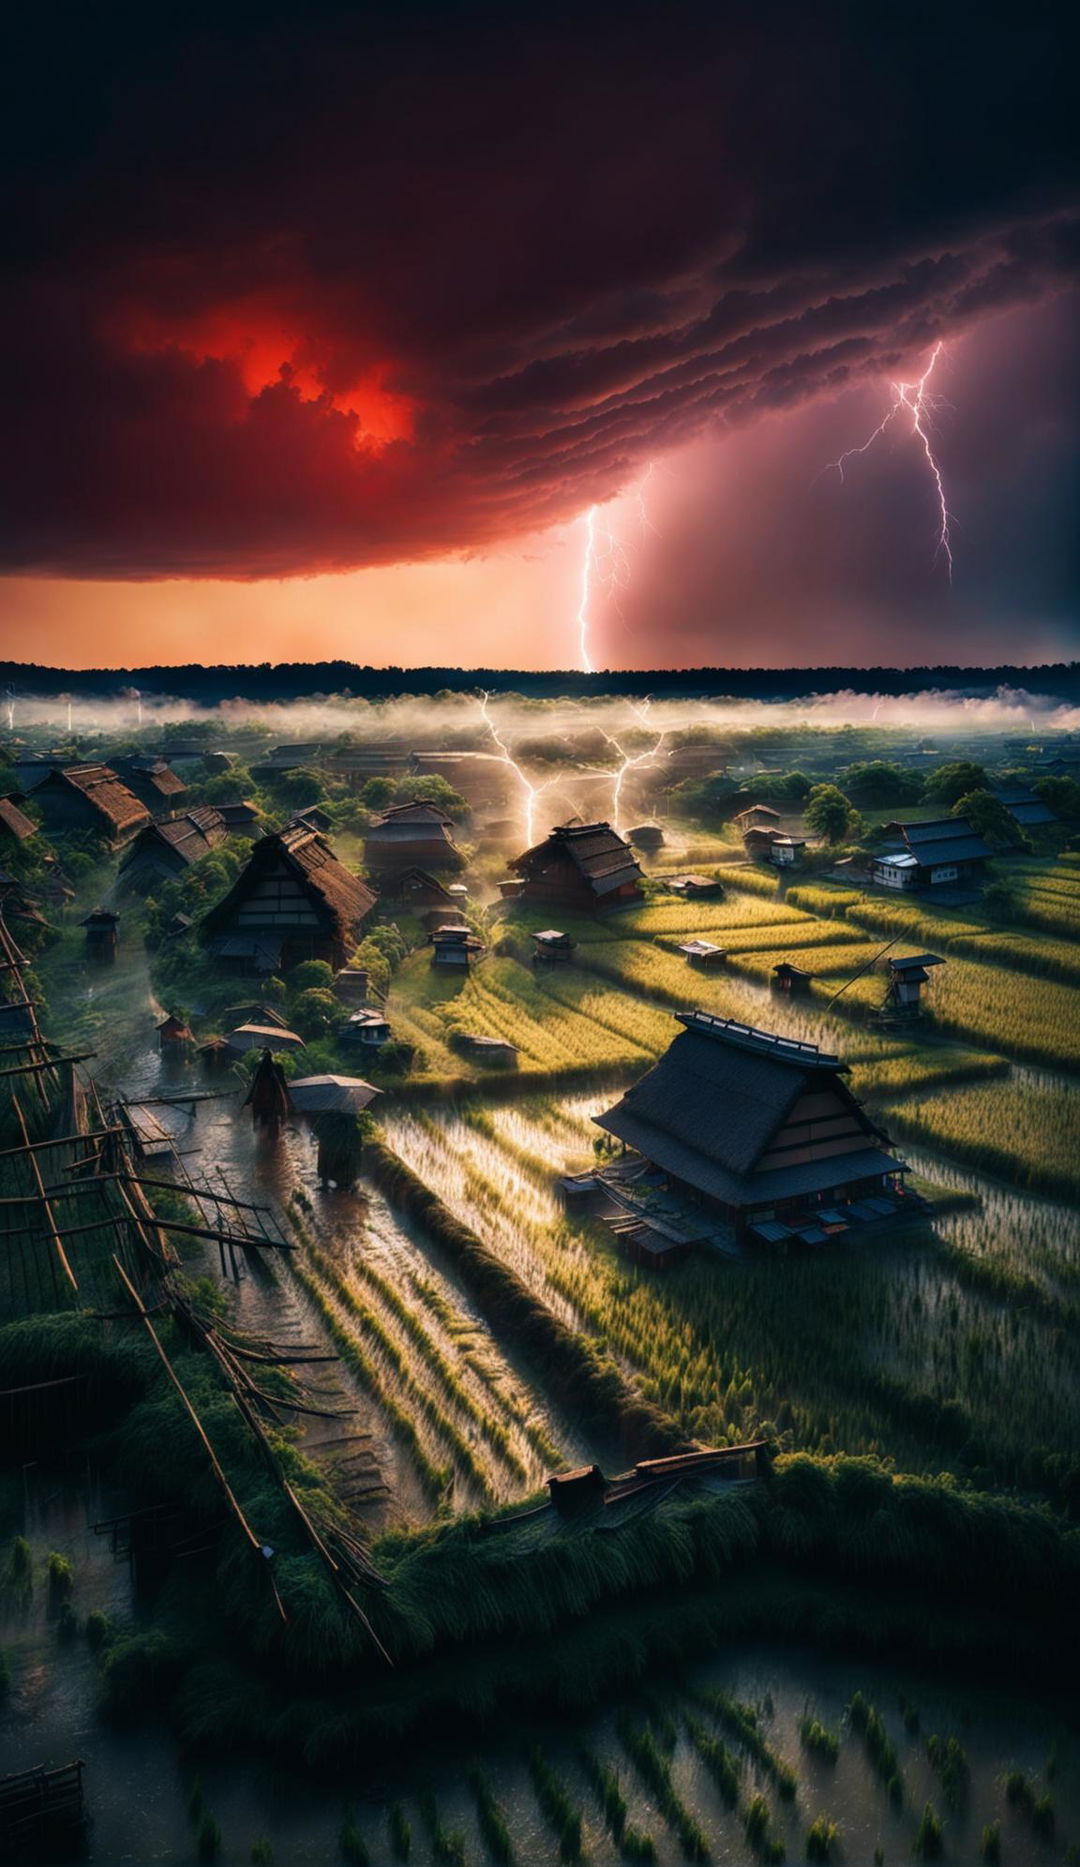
{"x": 991, "y": 1842}
{"x": 20, "y": 1573}
{"x": 312, "y": 975}
{"x": 61, "y": 1577}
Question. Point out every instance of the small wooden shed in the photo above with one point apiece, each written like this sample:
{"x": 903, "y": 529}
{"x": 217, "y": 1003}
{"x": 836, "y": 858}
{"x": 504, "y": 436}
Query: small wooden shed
{"x": 553, "y": 947}
{"x": 102, "y": 935}
{"x": 791, "y": 979}
{"x": 173, "y": 1033}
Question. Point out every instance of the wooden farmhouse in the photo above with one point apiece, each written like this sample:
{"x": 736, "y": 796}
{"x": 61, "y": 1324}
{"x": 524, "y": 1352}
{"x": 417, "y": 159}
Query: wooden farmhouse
{"x": 406, "y": 836}
{"x": 580, "y": 865}
{"x": 757, "y": 817}
{"x": 164, "y": 850}
{"x": 930, "y": 855}
{"x": 294, "y": 900}
{"x": 90, "y": 798}
{"x": 773, "y": 846}
{"x": 760, "y": 1129}
{"x": 153, "y": 782}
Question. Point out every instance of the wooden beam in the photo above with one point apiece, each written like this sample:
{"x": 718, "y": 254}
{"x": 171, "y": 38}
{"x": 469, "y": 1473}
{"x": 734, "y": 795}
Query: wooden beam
{"x": 45, "y": 1206}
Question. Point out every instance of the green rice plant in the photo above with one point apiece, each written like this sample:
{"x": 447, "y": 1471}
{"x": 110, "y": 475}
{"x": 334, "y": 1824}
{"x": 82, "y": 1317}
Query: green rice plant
{"x": 765, "y": 1845}
{"x": 990, "y": 1842}
{"x": 655, "y": 1770}
{"x": 196, "y": 1805}
{"x": 20, "y": 1570}
{"x": 604, "y": 1782}
{"x": 741, "y": 1722}
{"x": 824, "y": 901}
{"x": 821, "y": 1838}
{"x": 561, "y": 1815}
{"x": 1043, "y": 1818}
{"x": 492, "y": 1821}
{"x": 636, "y": 1846}
{"x": 208, "y": 1840}
{"x": 1019, "y": 1791}
{"x": 866, "y": 1719}
{"x": 947, "y": 1756}
{"x": 753, "y": 881}
{"x": 717, "y": 1759}
{"x": 1024, "y": 1133}
{"x": 929, "y": 1842}
{"x": 262, "y": 1853}
{"x": 400, "y": 1833}
{"x": 447, "y": 1845}
{"x": 819, "y": 1740}
{"x": 351, "y": 1844}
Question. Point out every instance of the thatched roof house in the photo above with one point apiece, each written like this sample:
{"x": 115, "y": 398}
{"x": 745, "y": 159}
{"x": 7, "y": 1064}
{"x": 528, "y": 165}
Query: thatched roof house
{"x": 295, "y": 896}
{"x": 756, "y": 1126}
{"x": 419, "y": 835}
{"x": 166, "y": 849}
{"x": 153, "y": 782}
{"x": 90, "y": 797}
{"x": 580, "y": 865}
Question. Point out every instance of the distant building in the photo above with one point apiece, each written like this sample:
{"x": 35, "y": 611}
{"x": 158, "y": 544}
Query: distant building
{"x": 930, "y": 854}
{"x": 456, "y": 947}
{"x": 90, "y": 798}
{"x": 757, "y": 817}
{"x": 153, "y": 782}
{"x": 406, "y": 836}
{"x": 768, "y": 845}
{"x": 102, "y": 935}
{"x": 696, "y": 887}
{"x": 293, "y": 899}
{"x": 365, "y": 1027}
{"x": 704, "y": 954}
{"x": 553, "y": 947}
{"x": 580, "y": 865}
{"x": 412, "y": 888}
{"x": 646, "y": 836}
{"x": 164, "y": 850}
{"x": 1026, "y": 809}
{"x": 239, "y": 817}
{"x": 759, "y": 1128}
{"x": 791, "y": 979}
{"x": 289, "y": 758}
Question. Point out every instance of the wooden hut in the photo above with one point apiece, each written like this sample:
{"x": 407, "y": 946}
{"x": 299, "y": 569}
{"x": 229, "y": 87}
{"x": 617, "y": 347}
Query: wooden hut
{"x": 457, "y": 948}
{"x": 757, "y": 1127}
{"x": 102, "y": 935}
{"x": 295, "y": 897}
{"x": 489, "y": 1050}
{"x": 153, "y": 782}
{"x": 580, "y": 865}
{"x": 164, "y": 850}
{"x": 90, "y": 798}
{"x": 757, "y": 817}
{"x": 696, "y": 887}
{"x": 553, "y": 948}
{"x": 173, "y": 1034}
{"x": 791, "y": 979}
{"x": 366, "y": 1026}
{"x": 907, "y": 976}
{"x": 412, "y": 888}
{"x": 704, "y": 954}
{"x": 646, "y": 836}
{"x": 419, "y": 835}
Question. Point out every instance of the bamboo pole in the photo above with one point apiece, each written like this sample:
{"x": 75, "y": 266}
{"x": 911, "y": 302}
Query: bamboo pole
{"x": 45, "y": 1206}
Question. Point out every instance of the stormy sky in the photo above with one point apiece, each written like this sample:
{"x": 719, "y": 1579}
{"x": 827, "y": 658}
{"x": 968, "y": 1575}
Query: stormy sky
{"x": 323, "y": 329}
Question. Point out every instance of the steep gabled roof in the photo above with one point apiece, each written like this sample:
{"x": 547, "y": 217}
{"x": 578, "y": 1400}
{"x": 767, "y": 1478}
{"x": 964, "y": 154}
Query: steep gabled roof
{"x": 152, "y": 774}
{"x": 190, "y": 836}
{"x": 15, "y": 821}
{"x": 603, "y": 858}
{"x": 709, "y": 1108}
{"x": 422, "y": 811}
{"x": 102, "y": 788}
{"x": 325, "y": 881}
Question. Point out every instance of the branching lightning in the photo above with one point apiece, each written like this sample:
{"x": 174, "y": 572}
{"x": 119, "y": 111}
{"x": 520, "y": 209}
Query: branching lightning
{"x": 532, "y": 792}
{"x": 917, "y": 401}
{"x": 631, "y": 761}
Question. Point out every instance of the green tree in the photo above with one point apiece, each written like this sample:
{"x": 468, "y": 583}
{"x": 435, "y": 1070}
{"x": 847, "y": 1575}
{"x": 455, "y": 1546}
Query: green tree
{"x": 830, "y": 814}
{"x": 876, "y": 783}
{"x": 1062, "y": 795}
{"x": 315, "y": 1013}
{"x": 988, "y": 815}
{"x": 949, "y": 783}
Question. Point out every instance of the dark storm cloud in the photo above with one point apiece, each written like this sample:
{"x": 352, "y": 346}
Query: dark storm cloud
{"x": 297, "y": 293}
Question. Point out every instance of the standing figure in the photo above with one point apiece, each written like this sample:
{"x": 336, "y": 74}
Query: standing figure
{"x": 268, "y": 1095}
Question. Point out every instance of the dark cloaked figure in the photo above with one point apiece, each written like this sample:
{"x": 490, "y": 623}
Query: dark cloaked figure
{"x": 268, "y": 1095}
{"x": 339, "y": 1137}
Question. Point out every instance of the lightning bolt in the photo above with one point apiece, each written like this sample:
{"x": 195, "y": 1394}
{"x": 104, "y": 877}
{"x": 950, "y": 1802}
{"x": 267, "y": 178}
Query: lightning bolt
{"x": 533, "y": 792}
{"x": 606, "y": 564}
{"x": 916, "y": 400}
{"x": 632, "y": 761}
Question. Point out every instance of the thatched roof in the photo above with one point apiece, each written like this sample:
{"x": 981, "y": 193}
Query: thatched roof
{"x": 603, "y": 858}
{"x": 190, "y": 836}
{"x": 339, "y": 896}
{"x": 102, "y": 788}
{"x": 14, "y": 822}
{"x": 709, "y": 1109}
